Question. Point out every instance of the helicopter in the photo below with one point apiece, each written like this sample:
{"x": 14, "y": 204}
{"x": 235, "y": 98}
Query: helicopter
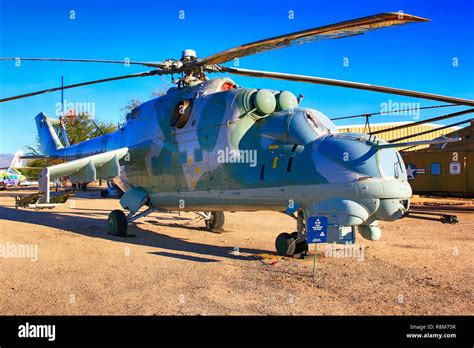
{"x": 210, "y": 146}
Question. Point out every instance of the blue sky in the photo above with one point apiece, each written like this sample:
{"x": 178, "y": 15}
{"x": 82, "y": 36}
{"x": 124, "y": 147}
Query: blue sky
{"x": 416, "y": 56}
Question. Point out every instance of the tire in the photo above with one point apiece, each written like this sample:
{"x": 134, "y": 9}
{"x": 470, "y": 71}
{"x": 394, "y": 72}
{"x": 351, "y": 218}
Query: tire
{"x": 104, "y": 193}
{"x": 302, "y": 247}
{"x": 285, "y": 244}
{"x": 216, "y": 223}
{"x": 117, "y": 223}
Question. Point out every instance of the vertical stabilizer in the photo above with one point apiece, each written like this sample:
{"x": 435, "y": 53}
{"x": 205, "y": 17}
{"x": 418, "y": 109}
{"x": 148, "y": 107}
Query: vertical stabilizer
{"x": 48, "y": 138}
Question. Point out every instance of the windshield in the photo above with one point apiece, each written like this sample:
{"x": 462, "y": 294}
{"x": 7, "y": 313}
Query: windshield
{"x": 392, "y": 164}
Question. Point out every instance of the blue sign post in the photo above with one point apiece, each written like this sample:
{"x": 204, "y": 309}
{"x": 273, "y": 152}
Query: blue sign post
{"x": 316, "y": 232}
{"x": 317, "y": 229}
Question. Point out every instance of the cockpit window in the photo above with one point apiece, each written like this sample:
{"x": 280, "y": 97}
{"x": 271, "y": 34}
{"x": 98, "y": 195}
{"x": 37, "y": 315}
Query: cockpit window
{"x": 315, "y": 124}
{"x": 391, "y": 164}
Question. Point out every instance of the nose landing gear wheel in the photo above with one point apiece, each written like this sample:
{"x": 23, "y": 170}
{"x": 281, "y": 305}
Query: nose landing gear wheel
{"x": 285, "y": 244}
{"x": 117, "y": 223}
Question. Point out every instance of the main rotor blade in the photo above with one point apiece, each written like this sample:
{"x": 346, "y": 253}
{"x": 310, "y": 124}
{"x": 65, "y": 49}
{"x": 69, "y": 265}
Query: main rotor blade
{"x": 343, "y": 83}
{"x": 143, "y": 74}
{"x": 428, "y": 120}
{"x": 393, "y": 112}
{"x": 420, "y": 142}
{"x": 123, "y": 62}
{"x": 332, "y": 31}
{"x": 431, "y": 130}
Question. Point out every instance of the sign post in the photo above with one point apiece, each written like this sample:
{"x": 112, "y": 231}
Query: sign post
{"x": 316, "y": 233}
{"x": 314, "y": 263}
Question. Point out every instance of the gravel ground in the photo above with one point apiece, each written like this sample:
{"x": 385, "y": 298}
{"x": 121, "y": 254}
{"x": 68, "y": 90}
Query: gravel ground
{"x": 419, "y": 267}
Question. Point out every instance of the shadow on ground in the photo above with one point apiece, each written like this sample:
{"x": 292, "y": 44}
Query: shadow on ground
{"x": 72, "y": 221}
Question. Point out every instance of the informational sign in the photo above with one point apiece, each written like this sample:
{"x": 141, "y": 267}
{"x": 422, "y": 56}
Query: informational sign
{"x": 317, "y": 229}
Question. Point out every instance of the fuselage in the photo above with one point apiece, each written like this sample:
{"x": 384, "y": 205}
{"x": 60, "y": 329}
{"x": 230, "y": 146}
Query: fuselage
{"x": 225, "y": 155}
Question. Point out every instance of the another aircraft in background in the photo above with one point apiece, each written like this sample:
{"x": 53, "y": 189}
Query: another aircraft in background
{"x": 10, "y": 176}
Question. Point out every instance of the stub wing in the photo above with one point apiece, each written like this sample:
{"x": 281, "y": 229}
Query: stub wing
{"x": 104, "y": 165}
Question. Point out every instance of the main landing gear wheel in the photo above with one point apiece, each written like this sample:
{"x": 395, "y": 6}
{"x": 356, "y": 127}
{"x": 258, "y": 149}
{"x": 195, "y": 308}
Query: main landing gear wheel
{"x": 216, "y": 222}
{"x": 288, "y": 245}
{"x": 285, "y": 244}
{"x": 117, "y": 223}
{"x": 301, "y": 246}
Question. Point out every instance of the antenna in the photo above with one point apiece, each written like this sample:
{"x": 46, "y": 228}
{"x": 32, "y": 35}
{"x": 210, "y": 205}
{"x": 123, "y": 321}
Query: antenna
{"x": 61, "y": 117}
{"x": 62, "y": 95}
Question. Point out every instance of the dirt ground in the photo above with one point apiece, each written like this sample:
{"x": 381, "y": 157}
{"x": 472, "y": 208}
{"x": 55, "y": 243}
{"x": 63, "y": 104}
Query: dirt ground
{"x": 418, "y": 267}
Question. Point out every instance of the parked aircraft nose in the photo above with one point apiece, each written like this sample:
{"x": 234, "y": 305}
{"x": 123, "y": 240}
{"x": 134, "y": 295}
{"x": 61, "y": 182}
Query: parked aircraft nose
{"x": 363, "y": 155}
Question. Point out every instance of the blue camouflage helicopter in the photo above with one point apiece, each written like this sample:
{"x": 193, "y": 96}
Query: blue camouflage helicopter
{"x": 210, "y": 146}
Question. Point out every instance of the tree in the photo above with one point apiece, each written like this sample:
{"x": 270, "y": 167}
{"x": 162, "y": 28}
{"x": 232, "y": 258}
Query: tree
{"x": 82, "y": 127}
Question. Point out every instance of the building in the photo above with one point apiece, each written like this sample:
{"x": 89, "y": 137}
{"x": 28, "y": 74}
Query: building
{"x": 445, "y": 171}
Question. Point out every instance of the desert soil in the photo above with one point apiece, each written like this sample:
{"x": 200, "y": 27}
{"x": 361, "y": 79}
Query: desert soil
{"x": 418, "y": 267}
